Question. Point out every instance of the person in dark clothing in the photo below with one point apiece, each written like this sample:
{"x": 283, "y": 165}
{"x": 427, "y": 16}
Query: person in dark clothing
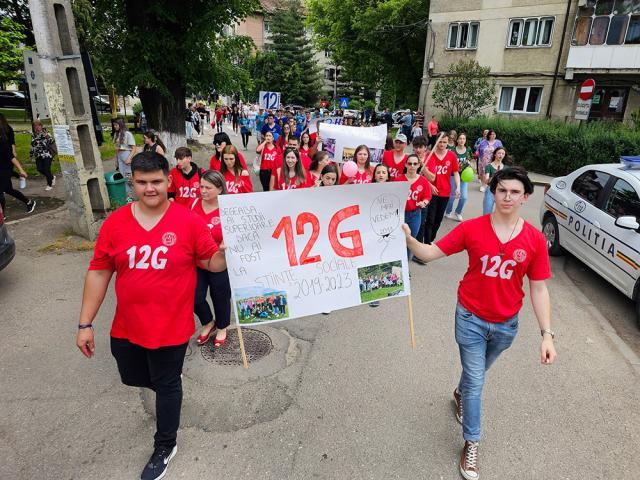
{"x": 43, "y": 150}
{"x": 9, "y": 160}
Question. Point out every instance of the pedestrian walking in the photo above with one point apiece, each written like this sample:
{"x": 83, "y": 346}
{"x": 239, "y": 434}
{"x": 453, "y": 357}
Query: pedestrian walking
{"x": 152, "y": 245}
{"x": 463, "y": 152}
{"x": 125, "y": 150}
{"x": 9, "y": 161}
{"x": 502, "y": 249}
{"x": 432, "y": 129}
{"x": 485, "y": 154}
{"x": 497, "y": 164}
{"x": 153, "y": 143}
{"x": 43, "y": 149}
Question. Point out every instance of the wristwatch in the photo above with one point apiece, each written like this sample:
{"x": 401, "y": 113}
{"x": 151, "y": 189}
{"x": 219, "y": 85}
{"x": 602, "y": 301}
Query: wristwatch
{"x": 549, "y": 331}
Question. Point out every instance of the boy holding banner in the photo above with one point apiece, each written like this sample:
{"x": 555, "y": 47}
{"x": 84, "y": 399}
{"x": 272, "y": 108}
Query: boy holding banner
{"x": 502, "y": 249}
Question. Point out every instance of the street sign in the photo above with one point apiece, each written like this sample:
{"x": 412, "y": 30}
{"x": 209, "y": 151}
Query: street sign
{"x": 344, "y": 102}
{"x": 39, "y": 107}
{"x": 583, "y": 107}
{"x": 587, "y": 89}
{"x": 270, "y": 100}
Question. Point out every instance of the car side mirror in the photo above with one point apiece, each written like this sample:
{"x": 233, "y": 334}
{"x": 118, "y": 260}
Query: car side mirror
{"x": 628, "y": 222}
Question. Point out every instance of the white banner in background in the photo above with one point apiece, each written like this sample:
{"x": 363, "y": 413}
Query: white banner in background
{"x": 313, "y": 126}
{"x": 341, "y": 141}
{"x": 300, "y": 252}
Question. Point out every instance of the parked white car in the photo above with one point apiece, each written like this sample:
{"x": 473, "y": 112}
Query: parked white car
{"x": 594, "y": 214}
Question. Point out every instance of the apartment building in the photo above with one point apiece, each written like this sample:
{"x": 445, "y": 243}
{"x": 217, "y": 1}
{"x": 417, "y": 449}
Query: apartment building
{"x": 540, "y": 51}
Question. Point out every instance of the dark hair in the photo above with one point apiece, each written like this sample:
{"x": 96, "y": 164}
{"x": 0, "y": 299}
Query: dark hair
{"x": 388, "y": 144}
{"x": 380, "y": 165}
{"x": 330, "y": 168}
{"x": 182, "y": 152}
{"x": 4, "y": 128}
{"x": 419, "y": 141}
{"x": 317, "y": 158}
{"x": 220, "y": 137}
{"x": 293, "y": 137}
{"x": 216, "y": 179}
{"x": 153, "y": 136}
{"x": 122, "y": 130}
{"x": 306, "y": 132}
{"x": 414, "y": 155}
{"x": 367, "y": 164}
{"x": 493, "y": 155}
{"x": 237, "y": 166}
{"x": 149, "y": 161}
{"x": 298, "y": 168}
{"x": 511, "y": 173}
{"x": 491, "y": 130}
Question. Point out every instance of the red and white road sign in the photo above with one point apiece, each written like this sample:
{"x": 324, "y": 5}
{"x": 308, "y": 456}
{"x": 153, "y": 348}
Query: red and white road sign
{"x": 587, "y": 89}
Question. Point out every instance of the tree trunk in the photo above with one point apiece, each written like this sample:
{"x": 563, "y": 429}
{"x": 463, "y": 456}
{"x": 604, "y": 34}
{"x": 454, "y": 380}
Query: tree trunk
{"x": 166, "y": 116}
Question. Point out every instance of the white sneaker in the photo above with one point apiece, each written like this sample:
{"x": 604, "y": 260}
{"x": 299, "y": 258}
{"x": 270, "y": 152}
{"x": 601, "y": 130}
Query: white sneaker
{"x": 53, "y": 181}
{"x": 482, "y": 188}
{"x": 458, "y": 217}
{"x": 47, "y": 188}
{"x": 450, "y": 216}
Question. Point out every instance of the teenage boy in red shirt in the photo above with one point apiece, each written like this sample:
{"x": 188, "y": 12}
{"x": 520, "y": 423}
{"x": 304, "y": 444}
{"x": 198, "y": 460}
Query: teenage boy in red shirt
{"x": 502, "y": 249}
{"x": 185, "y": 178}
{"x": 154, "y": 246}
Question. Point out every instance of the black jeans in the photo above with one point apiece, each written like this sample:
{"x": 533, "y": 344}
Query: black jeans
{"x": 217, "y": 283}
{"x": 7, "y": 187}
{"x": 435, "y": 213}
{"x": 265, "y": 178}
{"x": 423, "y": 218}
{"x": 245, "y": 139}
{"x": 43, "y": 164}
{"x": 159, "y": 370}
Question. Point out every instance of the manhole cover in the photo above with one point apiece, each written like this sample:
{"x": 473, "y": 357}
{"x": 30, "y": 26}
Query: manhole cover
{"x": 257, "y": 344}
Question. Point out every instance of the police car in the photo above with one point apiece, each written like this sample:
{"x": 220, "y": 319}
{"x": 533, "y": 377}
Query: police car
{"x": 594, "y": 214}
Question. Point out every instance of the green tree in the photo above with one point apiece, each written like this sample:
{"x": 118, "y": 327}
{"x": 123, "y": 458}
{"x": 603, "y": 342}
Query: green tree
{"x": 376, "y": 42}
{"x": 466, "y": 90}
{"x": 18, "y": 11}
{"x": 11, "y": 38}
{"x": 288, "y": 62}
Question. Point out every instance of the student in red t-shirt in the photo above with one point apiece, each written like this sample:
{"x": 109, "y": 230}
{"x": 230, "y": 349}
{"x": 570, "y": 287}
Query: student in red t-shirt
{"x": 419, "y": 195}
{"x": 217, "y": 283}
{"x": 305, "y": 143}
{"x": 439, "y": 167}
{"x": 502, "y": 249}
{"x": 220, "y": 141}
{"x": 396, "y": 158}
{"x": 269, "y": 154}
{"x": 154, "y": 246}
{"x": 319, "y": 161}
{"x": 236, "y": 177}
{"x": 185, "y": 178}
{"x": 291, "y": 174}
{"x": 362, "y": 157}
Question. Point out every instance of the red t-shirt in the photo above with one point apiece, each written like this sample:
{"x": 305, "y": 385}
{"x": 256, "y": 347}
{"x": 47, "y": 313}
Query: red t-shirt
{"x": 395, "y": 169}
{"x": 418, "y": 191}
{"x": 277, "y": 163}
{"x": 239, "y": 185}
{"x": 214, "y": 163}
{"x": 155, "y": 273}
{"x": 492, "y": 287}
{"x": 433, "y": 128}
{"x": 281, "y": 185}
{"x": 443, "y": 170}
{"x": 360, "y": 177}
{"x": 212, "y": 219}
{"x": 268, "y": 157}
{"x": 305, "y": 151}
{"x": 219, "y": 114}
{"x": 185, "y": 187}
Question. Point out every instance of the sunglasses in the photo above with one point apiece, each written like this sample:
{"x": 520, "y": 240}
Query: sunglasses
{"x": 412, "y": 164}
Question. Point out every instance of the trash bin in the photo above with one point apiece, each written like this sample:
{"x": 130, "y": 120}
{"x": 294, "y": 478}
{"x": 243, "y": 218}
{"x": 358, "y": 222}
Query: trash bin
{"x": 116, "y": 187}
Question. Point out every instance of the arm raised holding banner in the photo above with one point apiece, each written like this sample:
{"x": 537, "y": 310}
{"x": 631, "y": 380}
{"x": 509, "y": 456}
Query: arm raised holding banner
{"x": 424, "y": 251}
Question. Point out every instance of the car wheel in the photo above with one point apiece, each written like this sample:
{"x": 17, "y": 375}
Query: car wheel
{"x": 552, "y": 235}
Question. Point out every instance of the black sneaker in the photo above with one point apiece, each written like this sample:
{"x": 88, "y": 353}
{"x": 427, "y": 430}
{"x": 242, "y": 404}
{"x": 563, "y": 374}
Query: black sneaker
{"x": 31, "y": 206}
{"x": 158, "y": 463}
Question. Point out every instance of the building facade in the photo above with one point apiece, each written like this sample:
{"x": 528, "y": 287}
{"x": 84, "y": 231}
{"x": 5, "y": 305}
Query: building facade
{"x": 539, "y": 52}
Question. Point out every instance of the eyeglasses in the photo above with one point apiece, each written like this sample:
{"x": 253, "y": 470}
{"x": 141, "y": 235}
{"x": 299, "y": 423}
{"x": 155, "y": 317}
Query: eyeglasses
{"x": 412, "y": 164}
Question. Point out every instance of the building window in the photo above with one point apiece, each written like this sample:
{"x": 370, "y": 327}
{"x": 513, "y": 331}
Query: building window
{"x": 520, "y": 99}
{"x": 267, "y": 27}
{"x": 463, "y": 35}
{"x": 607, "y": 22}
{"x": 530, "y": 32}
{"x": 327, "y": 54}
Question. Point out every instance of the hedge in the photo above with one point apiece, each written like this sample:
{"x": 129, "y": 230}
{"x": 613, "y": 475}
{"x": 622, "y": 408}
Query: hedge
{"x": 550, "y": 147}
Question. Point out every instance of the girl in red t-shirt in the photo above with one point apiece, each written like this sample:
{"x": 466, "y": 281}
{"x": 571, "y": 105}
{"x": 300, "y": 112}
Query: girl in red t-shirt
{"x": 220, "y": 142}
{"x": 212, "y": 185}
{"x": 362, "y": 158}
{"x": 328, "y": 176}
{"x": 236, "y": 177}
{"x": 319, "y": 161}
{"x": 283, "y": 140}
{"x": 268, "y": 152}
{"x": 305, "y": 143}
{"x": 419, "y": 195}
{"x": 292, "y": 174}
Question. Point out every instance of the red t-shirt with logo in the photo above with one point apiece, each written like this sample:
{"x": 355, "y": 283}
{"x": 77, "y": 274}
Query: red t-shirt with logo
{"x": 242, "y": 184}
{"x": 443, "y": 170}
{"x": 212, "y": 219}
{"x": 155, "y": 273}
{"x": 215, "y": 164}
{"x": 395, "y": 169}
{"x": 185, "y": 187}
{"x": 418, "y": 191}
{"x": 268, "y": 157}
{"x": 492, "y": 287}
{"x": 281, "y": 185}
{"x": 360, "y": 177}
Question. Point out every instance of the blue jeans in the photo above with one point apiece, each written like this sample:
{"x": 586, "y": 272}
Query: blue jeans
{"x": 463, "y": 196}
{"x": 413, "y": 219}
{"x": 480, "y": 343}
{"x": 488, "y": 202}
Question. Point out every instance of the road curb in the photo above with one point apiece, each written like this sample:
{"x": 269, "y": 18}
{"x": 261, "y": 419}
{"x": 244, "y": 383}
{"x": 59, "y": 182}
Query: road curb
{"x": 629, "y": 355}
{"x": 37, "y": 215}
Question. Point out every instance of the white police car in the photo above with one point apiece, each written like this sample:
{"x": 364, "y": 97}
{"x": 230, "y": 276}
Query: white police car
{"x": 594, "y": 213}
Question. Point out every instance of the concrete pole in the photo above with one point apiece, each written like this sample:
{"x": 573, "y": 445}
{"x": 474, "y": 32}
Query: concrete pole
{"x": 422, "y": 101}
{"x": 68, "y": 99}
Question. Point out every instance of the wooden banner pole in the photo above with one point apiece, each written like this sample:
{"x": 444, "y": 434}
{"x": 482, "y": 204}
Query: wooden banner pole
{"x": 433, "y": 149}
{"x": 411, "y": 330}
{"x": 245, "y": 364}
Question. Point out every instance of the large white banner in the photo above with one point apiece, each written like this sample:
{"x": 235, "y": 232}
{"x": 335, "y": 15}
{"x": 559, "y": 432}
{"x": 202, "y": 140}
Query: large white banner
{"x": 341, "y": 141}
{"x": 313, "y": 126}
{"x": 300, "y": 252}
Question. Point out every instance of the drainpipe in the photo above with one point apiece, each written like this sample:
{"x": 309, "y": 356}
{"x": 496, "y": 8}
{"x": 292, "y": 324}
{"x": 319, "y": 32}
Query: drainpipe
{"x": 555, "y": 75}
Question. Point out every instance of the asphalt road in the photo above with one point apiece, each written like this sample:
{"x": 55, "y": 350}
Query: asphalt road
{"x": 341, "y": 397}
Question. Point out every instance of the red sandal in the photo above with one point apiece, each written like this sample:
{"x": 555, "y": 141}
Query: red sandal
{"x": 202, "y": 339}
{"x": 218, "y": 342}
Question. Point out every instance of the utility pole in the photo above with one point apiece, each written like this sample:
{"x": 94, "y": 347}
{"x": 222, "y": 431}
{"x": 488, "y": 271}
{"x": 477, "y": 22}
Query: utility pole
{"x": 64, "y": 84}
{"x": 422, "y": 100}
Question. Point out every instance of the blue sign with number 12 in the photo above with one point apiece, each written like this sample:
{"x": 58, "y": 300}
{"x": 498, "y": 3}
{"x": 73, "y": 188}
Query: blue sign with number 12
{"x": 269, "y": 100}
